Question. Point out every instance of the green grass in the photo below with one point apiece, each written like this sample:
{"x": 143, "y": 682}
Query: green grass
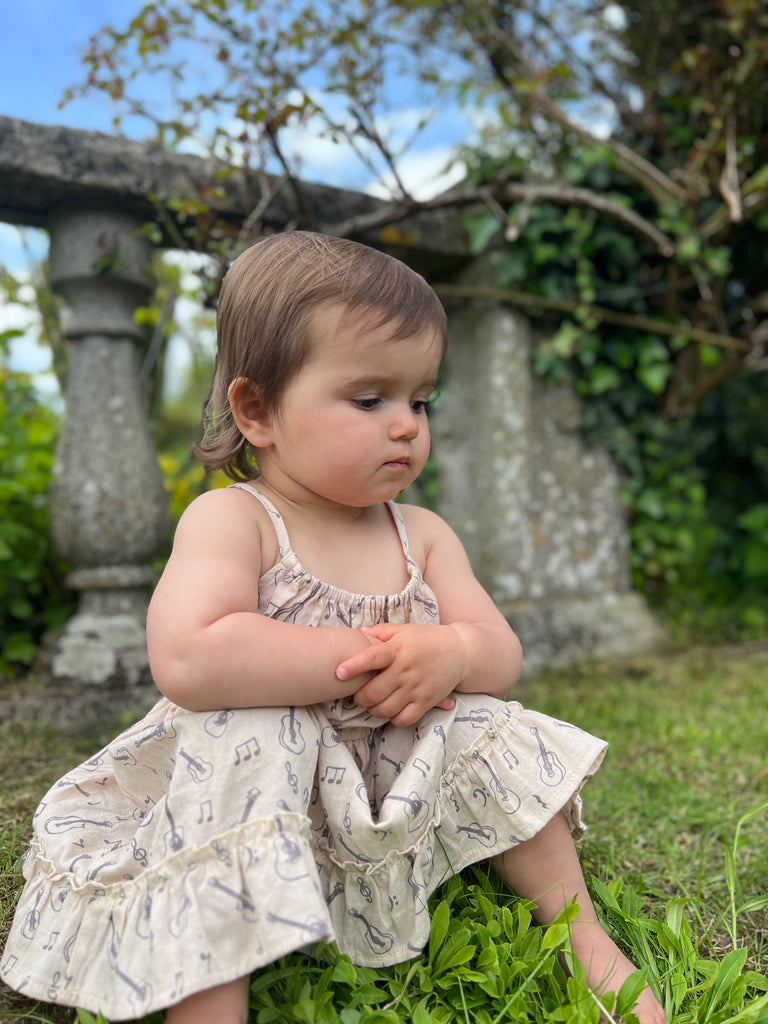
{"x": 676, "y": 857}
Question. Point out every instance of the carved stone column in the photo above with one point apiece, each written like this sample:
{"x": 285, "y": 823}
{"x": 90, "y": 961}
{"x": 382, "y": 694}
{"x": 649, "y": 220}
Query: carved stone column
{"x": 537, "y": 509}
{"x": 107, "y": 507}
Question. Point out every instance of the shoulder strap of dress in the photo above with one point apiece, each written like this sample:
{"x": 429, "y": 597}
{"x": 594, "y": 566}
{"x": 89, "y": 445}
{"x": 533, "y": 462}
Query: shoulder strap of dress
{"x": 283, "y": 541}
{"x": 399, "y": 522}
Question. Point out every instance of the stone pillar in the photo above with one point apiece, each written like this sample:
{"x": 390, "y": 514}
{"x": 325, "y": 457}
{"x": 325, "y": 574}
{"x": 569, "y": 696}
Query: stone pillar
{"x": 537, "y": 509}
{"x": 107, "y": 506}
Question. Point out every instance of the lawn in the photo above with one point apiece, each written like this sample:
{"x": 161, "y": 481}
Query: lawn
{"x": 676, "y": 856}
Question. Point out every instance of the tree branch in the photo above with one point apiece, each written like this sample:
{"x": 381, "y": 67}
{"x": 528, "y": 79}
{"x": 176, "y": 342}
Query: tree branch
{"x": 610, "y": 316}
{"x": 509, "y": 192}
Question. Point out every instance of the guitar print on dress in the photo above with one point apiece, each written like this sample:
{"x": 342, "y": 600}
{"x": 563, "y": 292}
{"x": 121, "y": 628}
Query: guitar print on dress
{"x": 379, "y": 941}
{"x": 290, "y": 733}
{"x": 508, "y": 799}
{"x": 551, "y": 770}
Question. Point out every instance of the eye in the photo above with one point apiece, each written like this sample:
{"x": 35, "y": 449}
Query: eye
{"x": 366, "y": 403}
{"x": 420, "y": 406}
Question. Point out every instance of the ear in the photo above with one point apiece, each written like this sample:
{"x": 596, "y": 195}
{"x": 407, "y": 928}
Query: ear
{"x": 251, "y": 417}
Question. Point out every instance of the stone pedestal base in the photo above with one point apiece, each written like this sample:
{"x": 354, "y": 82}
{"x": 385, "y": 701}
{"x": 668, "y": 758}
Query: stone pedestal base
{"x": 91, "y": 678}
{"x": 99, "y": 650}
{"x": 557, "y": 634}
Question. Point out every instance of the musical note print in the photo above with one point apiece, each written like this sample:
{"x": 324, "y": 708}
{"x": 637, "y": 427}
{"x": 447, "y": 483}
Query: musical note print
{"x": 206, "y": 812}
{"x": 139, "y": 853}
{"x": 333, "y": 774}
{"x": 178, "y": 986}
{"x": 246, "y": 750}
{"x": 293, "y": 778}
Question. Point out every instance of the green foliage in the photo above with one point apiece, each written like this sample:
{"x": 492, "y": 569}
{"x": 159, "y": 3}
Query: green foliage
{"x": 487, "y": 963}
{"x": 694, "y": 468}
{"x": 32, "y": 596}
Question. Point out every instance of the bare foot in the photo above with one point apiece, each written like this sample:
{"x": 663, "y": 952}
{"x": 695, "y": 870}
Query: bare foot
{"x": 224, "y": 1004}
{"x": 607, "y": 968}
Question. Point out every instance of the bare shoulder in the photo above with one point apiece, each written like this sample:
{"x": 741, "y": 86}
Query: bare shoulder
{"x": 428, "y": 534}
{"x": 228, "y": 517}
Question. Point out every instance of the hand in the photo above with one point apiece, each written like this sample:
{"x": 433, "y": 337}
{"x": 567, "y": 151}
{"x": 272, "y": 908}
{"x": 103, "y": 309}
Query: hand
{"x": 417, "y": 666}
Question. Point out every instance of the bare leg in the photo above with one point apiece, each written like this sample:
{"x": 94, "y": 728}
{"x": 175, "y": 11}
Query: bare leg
{"x": 546, "y": 870}
{"x": 223, "y": 1004}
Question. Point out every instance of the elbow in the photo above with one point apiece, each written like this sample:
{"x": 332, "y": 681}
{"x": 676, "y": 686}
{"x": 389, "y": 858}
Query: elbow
{"x": 175, "y": 677}
{"x": 515, "y": 661}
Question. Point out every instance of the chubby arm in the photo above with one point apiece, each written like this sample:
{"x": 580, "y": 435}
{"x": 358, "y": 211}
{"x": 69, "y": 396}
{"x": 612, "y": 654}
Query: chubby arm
{"x": 473, "y": 650}
{"x": 209, "y": 647}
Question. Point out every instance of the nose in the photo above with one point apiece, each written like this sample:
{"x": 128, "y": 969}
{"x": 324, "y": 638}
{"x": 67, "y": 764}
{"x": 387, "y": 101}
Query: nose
{"x": 405, "y": 423}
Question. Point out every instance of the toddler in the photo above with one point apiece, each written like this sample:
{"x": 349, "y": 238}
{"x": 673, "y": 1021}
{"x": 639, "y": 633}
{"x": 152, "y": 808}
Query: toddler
{"x": 333, "y": 740}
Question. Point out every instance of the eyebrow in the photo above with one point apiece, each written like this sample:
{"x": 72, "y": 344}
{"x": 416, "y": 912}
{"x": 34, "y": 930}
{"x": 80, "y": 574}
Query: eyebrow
{"x": 379, "y": 380}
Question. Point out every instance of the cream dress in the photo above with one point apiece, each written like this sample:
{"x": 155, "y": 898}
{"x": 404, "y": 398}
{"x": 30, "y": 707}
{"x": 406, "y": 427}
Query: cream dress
{"x": 198, "y": 847}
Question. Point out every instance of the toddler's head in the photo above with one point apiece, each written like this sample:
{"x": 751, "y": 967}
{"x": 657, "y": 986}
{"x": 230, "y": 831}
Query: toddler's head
{"x": 266, "y": 314}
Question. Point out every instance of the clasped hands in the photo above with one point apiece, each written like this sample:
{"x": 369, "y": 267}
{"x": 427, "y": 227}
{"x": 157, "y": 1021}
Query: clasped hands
{"x": 416, "y": 666}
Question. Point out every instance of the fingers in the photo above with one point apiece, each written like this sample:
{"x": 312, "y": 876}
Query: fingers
{"x": 382, "y": 631}
{"x": 372, "y": 659}
{"x": 402, "y": 711}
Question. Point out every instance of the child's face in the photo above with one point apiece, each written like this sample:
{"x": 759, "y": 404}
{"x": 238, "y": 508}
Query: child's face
{"x": 351, "y": 429}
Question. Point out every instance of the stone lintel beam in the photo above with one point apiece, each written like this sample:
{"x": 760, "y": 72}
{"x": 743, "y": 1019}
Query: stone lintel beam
{"x": 45, "y": 168}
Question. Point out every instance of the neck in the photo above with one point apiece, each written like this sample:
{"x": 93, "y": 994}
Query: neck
{"x": 319, "y": 512}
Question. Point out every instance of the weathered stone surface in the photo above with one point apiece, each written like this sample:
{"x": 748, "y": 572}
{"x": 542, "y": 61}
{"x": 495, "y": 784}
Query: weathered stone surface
{"x": 102, "y": 649}
{"x": 108, "y": 503}
{"x": 45, "y": 167}
{"x": 538, "y": 510}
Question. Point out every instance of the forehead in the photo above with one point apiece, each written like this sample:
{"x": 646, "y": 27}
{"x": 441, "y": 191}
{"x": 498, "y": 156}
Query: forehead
{"x": 340, "y": 333}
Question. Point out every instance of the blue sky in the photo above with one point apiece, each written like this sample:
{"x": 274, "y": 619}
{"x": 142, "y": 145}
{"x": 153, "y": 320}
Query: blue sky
{"x": 39, "y": 59}
{"x": 43, "y": 40}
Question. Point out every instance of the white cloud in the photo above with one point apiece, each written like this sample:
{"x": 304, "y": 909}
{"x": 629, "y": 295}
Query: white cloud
{"x": 424, "y": 174}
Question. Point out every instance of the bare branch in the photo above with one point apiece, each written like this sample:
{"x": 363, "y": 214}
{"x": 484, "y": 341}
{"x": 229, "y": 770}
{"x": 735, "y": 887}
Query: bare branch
{"x": 511, "y": 192}
{"x": 610, "y": 316}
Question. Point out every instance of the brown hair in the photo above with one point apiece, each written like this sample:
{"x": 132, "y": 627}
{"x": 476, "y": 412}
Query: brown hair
{"x": 265, "y": 317}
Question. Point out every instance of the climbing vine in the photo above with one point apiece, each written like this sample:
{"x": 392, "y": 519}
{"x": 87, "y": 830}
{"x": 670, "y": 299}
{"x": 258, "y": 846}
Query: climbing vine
{"x": 689, "y": 435}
